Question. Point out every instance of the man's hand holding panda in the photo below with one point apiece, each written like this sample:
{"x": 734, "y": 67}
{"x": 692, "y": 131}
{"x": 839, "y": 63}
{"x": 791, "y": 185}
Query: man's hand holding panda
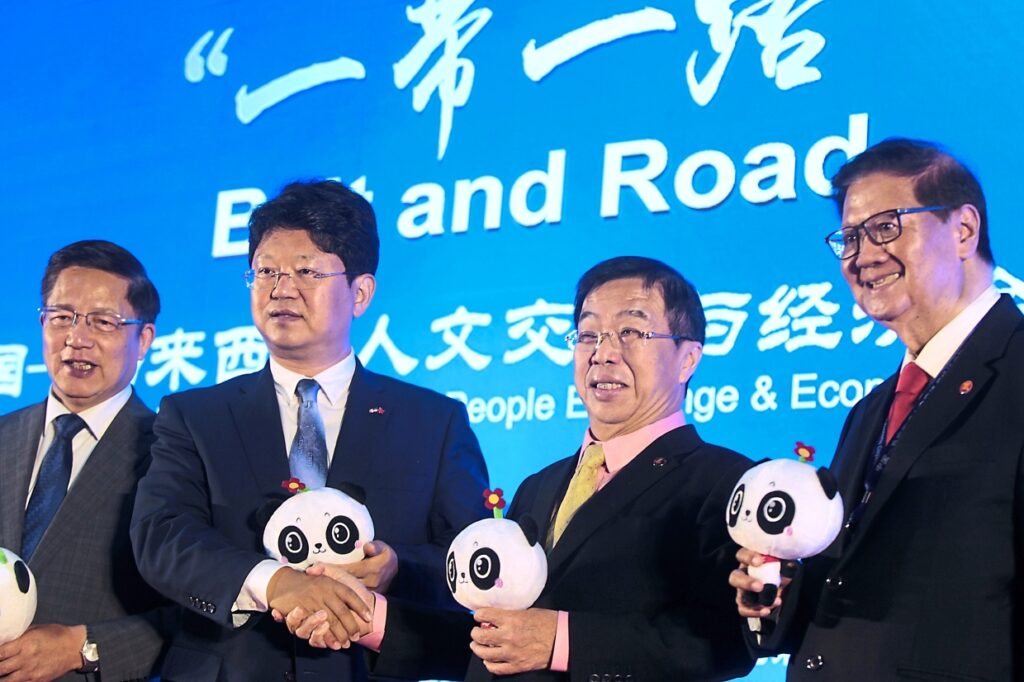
{"x": 746, "y": 585}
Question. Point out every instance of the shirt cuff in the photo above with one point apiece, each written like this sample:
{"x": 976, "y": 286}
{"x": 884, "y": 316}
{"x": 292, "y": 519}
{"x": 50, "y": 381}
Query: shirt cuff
{"x": 560, "y": 655}
{"x": 253, "y": 596}
{"x": 373, "y": 640}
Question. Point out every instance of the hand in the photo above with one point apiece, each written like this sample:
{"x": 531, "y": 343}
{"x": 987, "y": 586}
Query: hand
{"x": 346, "y": 613}
{"x": 744, "y": 583}
{"x": 314, "y": 627}
{"x": 379, "y": 567}
{"x": 514, "y": 641}
{"x": 43, "y": 653}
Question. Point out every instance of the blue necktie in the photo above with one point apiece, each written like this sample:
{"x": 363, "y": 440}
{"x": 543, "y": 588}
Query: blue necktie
{"x": 308, "y": 458}
{"x": 51, "y": 484}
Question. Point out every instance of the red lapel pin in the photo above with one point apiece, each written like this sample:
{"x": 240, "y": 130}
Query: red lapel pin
{"x": 966, "y": 387}
{"x": 376, "y": 410}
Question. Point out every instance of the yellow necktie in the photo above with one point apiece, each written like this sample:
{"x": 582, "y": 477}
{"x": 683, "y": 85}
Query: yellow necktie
{"x": 582, "y": 486}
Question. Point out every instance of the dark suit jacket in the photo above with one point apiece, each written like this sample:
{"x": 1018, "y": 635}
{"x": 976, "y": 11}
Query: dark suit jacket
{"x": 641, "y": 569}
{"x": 930, "y": 585}
{"x": 84, "y": 566}
{"x": 220, "y": 453}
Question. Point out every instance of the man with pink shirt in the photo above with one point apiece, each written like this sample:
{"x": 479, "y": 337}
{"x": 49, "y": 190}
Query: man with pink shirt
{"x": 633, "y": 522}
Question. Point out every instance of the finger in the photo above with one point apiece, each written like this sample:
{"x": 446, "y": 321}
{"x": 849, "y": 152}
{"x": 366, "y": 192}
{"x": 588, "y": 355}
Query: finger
{"x": 749, "y": 557}
{"x": 489, "y": 637}
{"x": 487, "y": 615}
{"x": 354, "y": 601}
{"x": 277, "y": 615}
{"x": 308, "y": 626}
{"x": 486, "y": 653}
{"x": 316, "y": 569}
{"x": 372, "y": 548}
{"x": 740, "y": 579}
{"x": 295, "y": 618}
{"x": 351, "y": 628}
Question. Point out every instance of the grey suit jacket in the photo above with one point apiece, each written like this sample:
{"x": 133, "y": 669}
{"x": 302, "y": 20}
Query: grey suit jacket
{"x": 83, "y": 565}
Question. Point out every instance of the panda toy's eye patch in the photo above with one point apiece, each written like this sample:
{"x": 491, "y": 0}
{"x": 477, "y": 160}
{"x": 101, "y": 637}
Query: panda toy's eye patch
{"x": 484, "y": 568}
{"x": 342, "y": 534}
{"x": 736, "y": 505}
{"x": 292, "y": 544}
{"x": 22, "y": 576}
{"x": 776, "y": 512}
{"x": 452, "y": 572}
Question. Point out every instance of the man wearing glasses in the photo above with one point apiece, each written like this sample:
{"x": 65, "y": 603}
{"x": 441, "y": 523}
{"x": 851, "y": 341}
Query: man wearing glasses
{"x": 925, "y": 581}
{"x": 633, "y": 523}
{"x": 69, "y": 467}
{"x": 314, "y": 413}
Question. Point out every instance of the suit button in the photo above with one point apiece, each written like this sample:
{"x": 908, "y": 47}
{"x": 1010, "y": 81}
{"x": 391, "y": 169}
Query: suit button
{"x": 606, "y": 678}
{"x": 213, "y": 608}
{"x": 834, "y": 582}
{"x": 815, "y": 662}
{"x": 289, "y": 677}
{"x": 595, "y": 678}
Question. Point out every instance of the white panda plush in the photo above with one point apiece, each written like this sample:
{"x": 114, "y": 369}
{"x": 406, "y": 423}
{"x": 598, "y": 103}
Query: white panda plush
{"x": 322, "y": 525}
{"x": 784, "y": 510}
{"x": 17, "y": 596}
{"x": 497, "y": 562}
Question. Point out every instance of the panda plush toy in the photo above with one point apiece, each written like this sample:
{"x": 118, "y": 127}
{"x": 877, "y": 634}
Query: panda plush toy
{"x": 322, "y": 525}
{"x": 498, "y": 563}
{"x": 784, "y": 510}
{"x": 17, "y": 596}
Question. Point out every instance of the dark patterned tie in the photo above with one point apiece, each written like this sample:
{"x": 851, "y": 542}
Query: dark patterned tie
{"x": 308, "y": 458}
{"x": 51, "y": 484}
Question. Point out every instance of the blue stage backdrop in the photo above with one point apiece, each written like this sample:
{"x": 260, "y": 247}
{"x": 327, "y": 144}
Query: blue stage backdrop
{"x": 506, "y": 147}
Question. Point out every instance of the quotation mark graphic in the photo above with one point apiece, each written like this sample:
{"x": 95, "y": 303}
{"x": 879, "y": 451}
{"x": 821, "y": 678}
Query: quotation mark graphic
{"x": 216, "y": 62}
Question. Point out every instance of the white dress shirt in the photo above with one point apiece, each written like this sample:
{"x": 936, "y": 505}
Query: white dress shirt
{"x": 941, "y": 347}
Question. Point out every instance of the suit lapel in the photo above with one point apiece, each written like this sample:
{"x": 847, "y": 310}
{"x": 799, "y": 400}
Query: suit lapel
{"x": 367, "y": 412}
{"x": 20, "y": 437}
{"x": 659, "y": 459}
{"x": 257, "y": 418}
{"x": 115, "y": 458}
{"x": 945, "y": 403}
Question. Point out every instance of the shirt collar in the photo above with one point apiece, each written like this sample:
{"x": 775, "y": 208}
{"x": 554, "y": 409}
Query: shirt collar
{"x": 97, "y": 418}
{"x": 334, "y": 381}
{"x": 941, "y": 347}
{"x": 621, "y": 450}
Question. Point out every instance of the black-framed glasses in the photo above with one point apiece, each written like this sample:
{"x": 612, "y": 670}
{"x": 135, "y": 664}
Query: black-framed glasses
{"x": 881, "y": 228}
{"x": 56, "y": 317}
{"x": 628, "y": 337}
{"x": 303, "y": 278}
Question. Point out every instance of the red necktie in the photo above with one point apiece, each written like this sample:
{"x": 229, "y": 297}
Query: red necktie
{"x": 912, "y": 381}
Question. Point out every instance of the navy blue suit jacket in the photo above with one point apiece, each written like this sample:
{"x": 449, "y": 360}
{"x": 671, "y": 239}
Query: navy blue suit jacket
{"x": 220, "y": 454}
{"x": 929, "y": 584}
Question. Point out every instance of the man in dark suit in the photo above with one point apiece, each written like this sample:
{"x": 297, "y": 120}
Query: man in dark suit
{"x": 68, "y": 472}
{"x": 634, "y": 522}
{"x": 925, "y": 580}
{"x": 316, "y": 414}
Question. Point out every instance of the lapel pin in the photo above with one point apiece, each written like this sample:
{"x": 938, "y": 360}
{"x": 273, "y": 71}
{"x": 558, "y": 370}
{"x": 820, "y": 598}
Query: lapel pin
{"x": 966, "y": 387}
{"x": 376, "y": 410}
{"x": 660, "y": 462}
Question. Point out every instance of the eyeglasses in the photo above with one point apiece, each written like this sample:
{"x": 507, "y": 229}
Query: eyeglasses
{"x": 880, "y": 228}
{"x": 54, "y": 317}
{"x": 627, "y": 336}
{"x": 303, "y": 278}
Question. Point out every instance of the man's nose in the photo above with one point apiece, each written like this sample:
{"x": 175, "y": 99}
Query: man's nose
{"x": 79, "y": 334}
{"x": 284, "y": 287}
{"x": 606, "y": 350}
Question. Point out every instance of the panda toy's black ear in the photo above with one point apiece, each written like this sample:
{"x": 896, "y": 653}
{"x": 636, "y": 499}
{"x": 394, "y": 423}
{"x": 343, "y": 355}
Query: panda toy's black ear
{"x": 356, "y": 492}
{"x": 828, "y": 482}
{"x": 529, "y": 528}
{"x": 22, "y": 576}
{"x": 260, "y": 517}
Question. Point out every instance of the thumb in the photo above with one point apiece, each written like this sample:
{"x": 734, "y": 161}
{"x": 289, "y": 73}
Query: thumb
{"x": 373, "y": 548}
{"x": 316, "y": 569}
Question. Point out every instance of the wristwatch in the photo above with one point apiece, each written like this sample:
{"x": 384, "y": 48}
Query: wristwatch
{"x": 90, "y": 656}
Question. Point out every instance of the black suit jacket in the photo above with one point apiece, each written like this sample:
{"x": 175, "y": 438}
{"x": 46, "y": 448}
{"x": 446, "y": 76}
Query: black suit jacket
{"x": 83, "y": 565}
{"x": 641, "y": 569}
{"x": 928, "y": 585}
{"x": 220, "y": 453}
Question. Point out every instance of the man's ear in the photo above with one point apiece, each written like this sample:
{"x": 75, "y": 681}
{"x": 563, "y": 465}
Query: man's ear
{"x": 363, "y": 287}
{"x": 968, "y": 224}
{"x": 146, "y": 336}
{"x": 694, "y": 351}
